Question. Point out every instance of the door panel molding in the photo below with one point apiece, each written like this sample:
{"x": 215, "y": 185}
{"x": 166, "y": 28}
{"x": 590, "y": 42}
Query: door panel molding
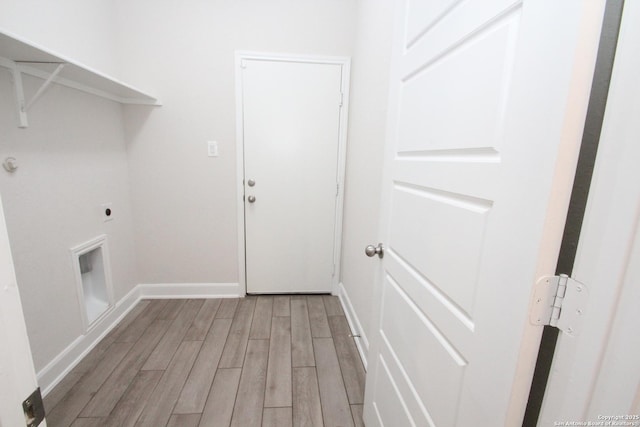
{"x": 483, "y": 131}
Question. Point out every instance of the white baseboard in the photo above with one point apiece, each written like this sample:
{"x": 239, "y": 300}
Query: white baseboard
{"x": 55, "y": 371}
{"x": 63, "y": 363}
{"x": 190, "y": 290}
{"x": 362, "y": 343}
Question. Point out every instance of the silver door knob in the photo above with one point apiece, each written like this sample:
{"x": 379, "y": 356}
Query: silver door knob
{"x": 251, "y": 183}
{"x": 251, "y": 199}
{"x": 374, "y": 250}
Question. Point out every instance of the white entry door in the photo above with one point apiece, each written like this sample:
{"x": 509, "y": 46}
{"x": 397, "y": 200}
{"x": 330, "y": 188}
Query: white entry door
{"x": 291, "y": 115}
{"x": 487, "y": 107}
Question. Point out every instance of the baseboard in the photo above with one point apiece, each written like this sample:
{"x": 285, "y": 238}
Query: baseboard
{"x": 55, "y": 371}
{"x": 190, "y": 290}
{"x": 61, "y": 365}
{"x": 362, "y": 343}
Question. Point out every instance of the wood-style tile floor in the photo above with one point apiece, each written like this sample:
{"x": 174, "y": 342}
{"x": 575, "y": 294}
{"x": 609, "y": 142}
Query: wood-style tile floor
{"x": 256, "y": 361}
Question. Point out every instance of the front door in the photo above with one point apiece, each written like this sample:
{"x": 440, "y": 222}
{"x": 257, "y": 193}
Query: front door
{"x": 291, "y": 118}
{"x": 486, "y": 109}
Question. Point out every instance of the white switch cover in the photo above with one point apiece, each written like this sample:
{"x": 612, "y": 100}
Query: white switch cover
{"x": 212, "y": 148}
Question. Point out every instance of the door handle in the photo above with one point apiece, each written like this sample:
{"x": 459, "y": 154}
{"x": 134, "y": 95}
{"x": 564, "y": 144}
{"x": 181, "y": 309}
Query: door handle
{"x": 374, "y": 250}
{"x": 251, "y": 199}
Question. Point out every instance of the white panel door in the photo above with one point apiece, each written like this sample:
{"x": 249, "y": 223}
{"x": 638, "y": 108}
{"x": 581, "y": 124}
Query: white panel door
{"x": 291, "y": 126}
{"x": 17, "y": 375}
{"x": 484, "y": 127}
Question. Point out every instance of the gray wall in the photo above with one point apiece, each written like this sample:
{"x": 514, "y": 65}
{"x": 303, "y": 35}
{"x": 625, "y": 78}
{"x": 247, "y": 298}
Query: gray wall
{"x": 71, "y": 159}
{"x": 176, "y": 219}
{"x": 185, "y": 202}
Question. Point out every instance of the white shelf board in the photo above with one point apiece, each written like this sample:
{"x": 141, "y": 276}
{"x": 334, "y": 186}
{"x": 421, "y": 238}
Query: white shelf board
{"x": 33, "y": 60}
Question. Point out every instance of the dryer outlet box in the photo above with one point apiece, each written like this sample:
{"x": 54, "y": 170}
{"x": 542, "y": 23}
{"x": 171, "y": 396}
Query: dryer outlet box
{"x": 107, "y": 211}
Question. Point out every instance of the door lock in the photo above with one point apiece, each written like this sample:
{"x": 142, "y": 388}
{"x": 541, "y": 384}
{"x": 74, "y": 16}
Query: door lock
{"x": 251, "y": 199}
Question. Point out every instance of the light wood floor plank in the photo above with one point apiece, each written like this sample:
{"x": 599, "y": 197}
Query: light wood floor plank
{"x": 130, "y": 406}
{"x": 278, "y": 389}
{"x": 307, "y": 410}
{"x": 318, "y": 317}
{"x": 277, "y": 417}
{"x": 172, "y": 309}
{"x": 281, "y": 306}
{"x": 335, "y": 405}
{"x": 56, "y": 395}
{"x": 261, "y": 325}
{"x": 161, "y": 402}
{"x": 234, "y": 349}
{"x": 194, "y": 394}
{"x": 201, "y": 324}
{"x": 71, "y": 405}
{"x": 107, "y": 397}
{"x": 301, "y": 340}
{"x": 184, "y": 420}
{"x": 128, "y": 320}
{"x": 89, "y": 361}
{"x": 137, "y": 328}
{"x": 88, "y": 422}
{"x": 219, "y": 408}
{"x": 227, "y": 308}
{"x": 332, "y": 305}
{"x": 274, "y": 380}
{"x": 166, "y": 348}
{"x": 356, "y": 412}
{"x": 351, "y": 366}
{"x": 247, "y": 411}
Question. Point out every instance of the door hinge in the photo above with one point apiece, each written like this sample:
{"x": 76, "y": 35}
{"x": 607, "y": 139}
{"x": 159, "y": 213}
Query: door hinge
{"x": 559, "y": 301}
{"x": 33, "y": 409}
{"x": 337, "y": 189}
{"x": 341, "y": 99}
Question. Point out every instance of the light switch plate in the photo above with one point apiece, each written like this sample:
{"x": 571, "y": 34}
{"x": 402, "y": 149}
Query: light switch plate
{"x": 212, "y": 148}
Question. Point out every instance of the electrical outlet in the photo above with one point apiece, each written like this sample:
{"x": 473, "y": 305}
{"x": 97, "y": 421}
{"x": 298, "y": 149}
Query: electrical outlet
{"x": 107, "y": 212}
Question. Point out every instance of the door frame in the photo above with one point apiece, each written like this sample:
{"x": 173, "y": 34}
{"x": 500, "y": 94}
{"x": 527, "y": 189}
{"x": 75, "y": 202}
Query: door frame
{"x": 345, "y": 63}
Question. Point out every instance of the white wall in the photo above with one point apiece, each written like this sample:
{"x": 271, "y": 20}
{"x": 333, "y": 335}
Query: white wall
{"x": 76, "y": 29}
{"x": 367, "y": 125}
{"x": 184, "y": 202}
{"x": 71, "y": 159}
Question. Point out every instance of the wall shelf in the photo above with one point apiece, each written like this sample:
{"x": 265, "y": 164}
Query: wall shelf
{"x": 22, "y": 57}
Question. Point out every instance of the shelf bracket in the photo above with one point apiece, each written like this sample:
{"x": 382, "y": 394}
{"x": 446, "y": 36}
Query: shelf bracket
{"x": 44, "y": 86}
{"x": 19, "y": 91}
{"x": 21, "y": 104}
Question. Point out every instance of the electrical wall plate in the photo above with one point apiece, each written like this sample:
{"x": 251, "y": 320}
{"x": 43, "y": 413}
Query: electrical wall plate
{"x": 107, "y": 211}
{"x": 212, "y": 148}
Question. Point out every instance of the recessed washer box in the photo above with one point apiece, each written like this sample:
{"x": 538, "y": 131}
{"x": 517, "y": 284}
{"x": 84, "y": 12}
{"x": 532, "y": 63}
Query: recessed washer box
{"x": 93, "y": 278}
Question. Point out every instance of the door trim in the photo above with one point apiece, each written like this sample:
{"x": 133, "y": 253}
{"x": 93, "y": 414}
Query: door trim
{"x": 345, "y": 63}
{"x": 580, "y": 191}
